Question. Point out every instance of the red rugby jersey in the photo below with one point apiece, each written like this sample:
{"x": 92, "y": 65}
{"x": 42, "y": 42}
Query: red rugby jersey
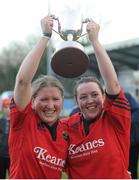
{"x": 33, "y": 152}
{"x": 104, "y": 152}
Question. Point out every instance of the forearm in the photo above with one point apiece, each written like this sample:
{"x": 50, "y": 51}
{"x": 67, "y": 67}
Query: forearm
{"x": 28, "y": 68}
{"x": 31, "y": 62}
{"x": 106, "y": 69}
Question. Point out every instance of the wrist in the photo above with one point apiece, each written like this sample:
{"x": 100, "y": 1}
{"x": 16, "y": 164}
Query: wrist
{"x": 46, "y": 34}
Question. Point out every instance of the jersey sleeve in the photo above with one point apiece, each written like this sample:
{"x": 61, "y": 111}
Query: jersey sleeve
{"x": 17, "y": 117}
{"x": 119, "y": 111}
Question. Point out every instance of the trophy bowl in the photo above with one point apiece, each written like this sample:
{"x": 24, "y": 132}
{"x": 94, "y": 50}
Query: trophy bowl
{"x": 69, "y": 59}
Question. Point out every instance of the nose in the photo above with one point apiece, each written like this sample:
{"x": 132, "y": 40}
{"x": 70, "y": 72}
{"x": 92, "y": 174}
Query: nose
{"x": 90, "y": 99}
{"x": 50, "y": 104}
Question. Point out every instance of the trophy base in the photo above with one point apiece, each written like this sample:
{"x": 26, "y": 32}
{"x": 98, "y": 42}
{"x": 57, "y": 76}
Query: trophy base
{"x": 69, "y": 62}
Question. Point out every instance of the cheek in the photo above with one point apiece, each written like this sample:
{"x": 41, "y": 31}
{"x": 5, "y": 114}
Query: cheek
{"x": 100, "y": 101}
{"x": 80, "y": 103}
{"x": 60, "y": 105}
{"x": 36, "y": 105}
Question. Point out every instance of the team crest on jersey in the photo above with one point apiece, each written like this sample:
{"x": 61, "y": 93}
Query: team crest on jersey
{"x": 65, "y": 135}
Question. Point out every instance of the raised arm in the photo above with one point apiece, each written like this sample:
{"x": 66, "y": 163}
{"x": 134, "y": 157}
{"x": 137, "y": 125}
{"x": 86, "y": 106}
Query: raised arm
{"x": 29, "y": 66}
{"x": 105, "y": 65}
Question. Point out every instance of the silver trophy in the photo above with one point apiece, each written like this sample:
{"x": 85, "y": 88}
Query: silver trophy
{"x": 69, "y": 59}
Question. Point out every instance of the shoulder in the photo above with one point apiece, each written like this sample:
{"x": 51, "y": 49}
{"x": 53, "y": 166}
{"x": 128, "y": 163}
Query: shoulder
{"x": 118, "y": 105}
{"x": 118, "y": 98}
{"x": 72, "y": 120}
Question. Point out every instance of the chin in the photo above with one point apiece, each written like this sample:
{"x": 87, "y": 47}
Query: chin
{"x": 92, "y": 117}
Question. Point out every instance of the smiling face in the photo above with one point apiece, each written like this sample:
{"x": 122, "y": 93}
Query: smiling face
{"x": 90, "y": 99}
{"x": 48, "y": 104}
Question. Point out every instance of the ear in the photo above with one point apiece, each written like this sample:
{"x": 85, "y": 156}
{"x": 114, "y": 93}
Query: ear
{"x": 103, "y": 97}
{"x": 63, "y": 104}
{"x": 76, "y": 102}
{"x": 33, "y": 103}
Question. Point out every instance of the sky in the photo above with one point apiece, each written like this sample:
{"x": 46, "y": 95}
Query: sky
{"x": 21, "y": 18}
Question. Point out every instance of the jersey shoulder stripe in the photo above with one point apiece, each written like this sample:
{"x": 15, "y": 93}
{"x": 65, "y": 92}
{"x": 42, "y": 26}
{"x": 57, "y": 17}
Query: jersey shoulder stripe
{"x": 122, "y": 102}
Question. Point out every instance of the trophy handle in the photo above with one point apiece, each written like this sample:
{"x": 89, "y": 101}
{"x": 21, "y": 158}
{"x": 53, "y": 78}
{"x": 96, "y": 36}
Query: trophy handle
{"x": 86, "y": 20}
{"x": 70, "y": 34}
{"x": 59, "y": 27}
{"x": 83, "y": 22}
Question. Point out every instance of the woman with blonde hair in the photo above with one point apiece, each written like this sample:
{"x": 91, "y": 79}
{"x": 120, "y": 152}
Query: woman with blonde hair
{"x": 37, "y": 145}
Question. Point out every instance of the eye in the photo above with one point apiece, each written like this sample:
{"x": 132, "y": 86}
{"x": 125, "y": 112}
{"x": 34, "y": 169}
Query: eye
{"x": 94, "y": 95}
{"x": 44, "y": 100}
{"x": 56, "y": 99}
{"x": 83, "y": 97}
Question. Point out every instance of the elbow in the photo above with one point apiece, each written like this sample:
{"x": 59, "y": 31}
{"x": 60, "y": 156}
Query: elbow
{"x": 116, "y": 87}
{"x": 20, "y": 81}
{"x": 113, "y": 88}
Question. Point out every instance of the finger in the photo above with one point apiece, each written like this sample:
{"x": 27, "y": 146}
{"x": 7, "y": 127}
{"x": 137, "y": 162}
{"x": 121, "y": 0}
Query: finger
{"x": 53, "y": 16}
